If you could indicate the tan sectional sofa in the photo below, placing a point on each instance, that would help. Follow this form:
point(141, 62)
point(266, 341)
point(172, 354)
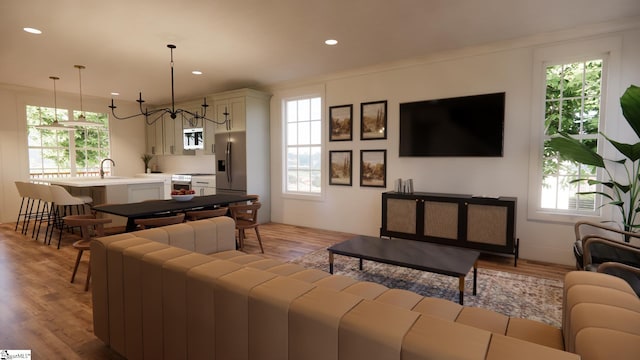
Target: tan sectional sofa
point(183, 292)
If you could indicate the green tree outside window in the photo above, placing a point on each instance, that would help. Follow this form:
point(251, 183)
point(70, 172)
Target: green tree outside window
point(50, 150)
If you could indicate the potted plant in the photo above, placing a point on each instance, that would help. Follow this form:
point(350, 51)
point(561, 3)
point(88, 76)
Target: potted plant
point(622, 193)
point(146, 158)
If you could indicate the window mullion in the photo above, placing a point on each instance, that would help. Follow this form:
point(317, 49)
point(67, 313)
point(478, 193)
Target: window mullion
point(299, 175)
point(572, 119)
point(51, 157)
point(72, 154)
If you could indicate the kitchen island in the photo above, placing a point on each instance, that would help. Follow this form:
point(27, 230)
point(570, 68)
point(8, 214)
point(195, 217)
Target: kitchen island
point(112, 189)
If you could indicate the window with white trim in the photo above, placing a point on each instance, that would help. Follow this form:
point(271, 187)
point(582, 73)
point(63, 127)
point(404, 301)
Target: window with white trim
point(63, 153)
point(303, 149)
point(573, 102)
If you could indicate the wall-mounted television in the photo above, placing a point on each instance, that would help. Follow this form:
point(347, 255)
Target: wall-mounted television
point(460, 126)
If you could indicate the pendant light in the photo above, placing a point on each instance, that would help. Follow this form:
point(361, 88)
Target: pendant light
point(82, 120)
point(55, 125)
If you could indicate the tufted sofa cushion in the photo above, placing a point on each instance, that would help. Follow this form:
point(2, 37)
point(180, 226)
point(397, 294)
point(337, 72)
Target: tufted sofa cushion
point(155, 300)
point(601, 316)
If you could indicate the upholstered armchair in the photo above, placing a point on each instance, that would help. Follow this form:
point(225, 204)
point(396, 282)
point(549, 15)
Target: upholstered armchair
point(604, 253)
point(623, 259)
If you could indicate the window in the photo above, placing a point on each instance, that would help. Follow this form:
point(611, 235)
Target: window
point(572, 105)
point(303, 137)
point(59, 153)
point(571, 85)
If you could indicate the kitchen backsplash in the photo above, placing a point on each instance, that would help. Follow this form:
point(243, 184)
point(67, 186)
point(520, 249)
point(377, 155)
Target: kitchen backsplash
point(175, 164)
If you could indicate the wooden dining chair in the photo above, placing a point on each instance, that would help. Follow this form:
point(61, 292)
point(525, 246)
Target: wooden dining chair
point(206, 214)
point(246, 217)
point(88, 224)
point(159, 221)
point(244, 214)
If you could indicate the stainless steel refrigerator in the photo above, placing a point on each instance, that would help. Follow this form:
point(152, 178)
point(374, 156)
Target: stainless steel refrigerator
point(231, 162)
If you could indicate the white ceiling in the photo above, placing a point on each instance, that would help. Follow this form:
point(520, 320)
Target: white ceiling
point(254, 43)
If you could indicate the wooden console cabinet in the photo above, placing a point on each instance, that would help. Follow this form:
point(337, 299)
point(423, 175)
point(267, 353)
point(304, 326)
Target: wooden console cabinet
point(485, 224)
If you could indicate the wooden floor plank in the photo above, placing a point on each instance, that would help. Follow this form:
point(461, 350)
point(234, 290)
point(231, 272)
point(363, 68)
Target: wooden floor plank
point(42, 311)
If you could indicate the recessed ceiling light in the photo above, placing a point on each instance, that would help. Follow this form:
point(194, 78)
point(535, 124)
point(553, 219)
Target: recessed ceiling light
point(196, 72)
point(331, 42)
point(32, 30)
point(115, 93)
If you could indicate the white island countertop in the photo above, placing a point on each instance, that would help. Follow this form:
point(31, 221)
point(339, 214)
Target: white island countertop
point(96, 181)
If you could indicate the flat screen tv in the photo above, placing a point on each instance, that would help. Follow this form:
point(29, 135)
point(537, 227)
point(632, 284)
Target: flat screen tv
point(460, 126)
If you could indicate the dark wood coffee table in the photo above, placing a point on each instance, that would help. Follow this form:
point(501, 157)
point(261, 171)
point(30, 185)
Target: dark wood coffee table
point(419, 255)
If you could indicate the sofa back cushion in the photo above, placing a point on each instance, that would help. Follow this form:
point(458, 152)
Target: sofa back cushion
point(206, 236)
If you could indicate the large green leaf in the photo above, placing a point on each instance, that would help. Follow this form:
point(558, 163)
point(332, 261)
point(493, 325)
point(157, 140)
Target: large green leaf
point(595, 193)
point(630, 103)
point(623, 188)
point(618, 193)
point(608, 184)
point(575, 150)
point(631, 151)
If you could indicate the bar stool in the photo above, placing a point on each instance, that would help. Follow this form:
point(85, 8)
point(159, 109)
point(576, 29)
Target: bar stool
point(63, 202)
point(87, 224)
point(22, 191)
point(43, 212)
point(26, 206)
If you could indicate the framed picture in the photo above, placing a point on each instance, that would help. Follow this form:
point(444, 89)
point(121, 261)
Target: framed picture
point(373, 168)
point(340, 123)
point(340, 168)
point(373, 120)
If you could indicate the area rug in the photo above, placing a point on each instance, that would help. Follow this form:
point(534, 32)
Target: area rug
point(510, 294)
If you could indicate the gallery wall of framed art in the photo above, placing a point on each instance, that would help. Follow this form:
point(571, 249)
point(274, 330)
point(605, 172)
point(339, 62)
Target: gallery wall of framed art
point(341, 167)
point(372, 162)
point(373, 120)
point(341, 123)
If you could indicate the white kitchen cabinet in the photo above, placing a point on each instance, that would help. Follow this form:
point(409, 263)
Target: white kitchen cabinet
point(155, 143)
point(235, 107)
point(172, 135)
point(203, 185)
point(166, 136)
point(210, 136)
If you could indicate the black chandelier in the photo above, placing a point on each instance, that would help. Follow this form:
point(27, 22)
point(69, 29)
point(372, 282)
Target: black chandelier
point(151, 116)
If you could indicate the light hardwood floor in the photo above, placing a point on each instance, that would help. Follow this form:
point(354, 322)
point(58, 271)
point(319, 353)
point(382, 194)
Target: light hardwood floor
point(42, 311)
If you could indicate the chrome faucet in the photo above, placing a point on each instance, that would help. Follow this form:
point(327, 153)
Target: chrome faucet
point(102, 166)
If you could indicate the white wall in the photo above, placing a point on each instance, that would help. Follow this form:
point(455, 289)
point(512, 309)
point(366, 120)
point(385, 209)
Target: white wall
point(127, 138)
point(500, 67)
point(503, 67)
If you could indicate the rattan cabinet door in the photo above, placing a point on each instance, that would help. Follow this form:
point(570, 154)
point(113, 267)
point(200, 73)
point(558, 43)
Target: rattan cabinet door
point(401, 215)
